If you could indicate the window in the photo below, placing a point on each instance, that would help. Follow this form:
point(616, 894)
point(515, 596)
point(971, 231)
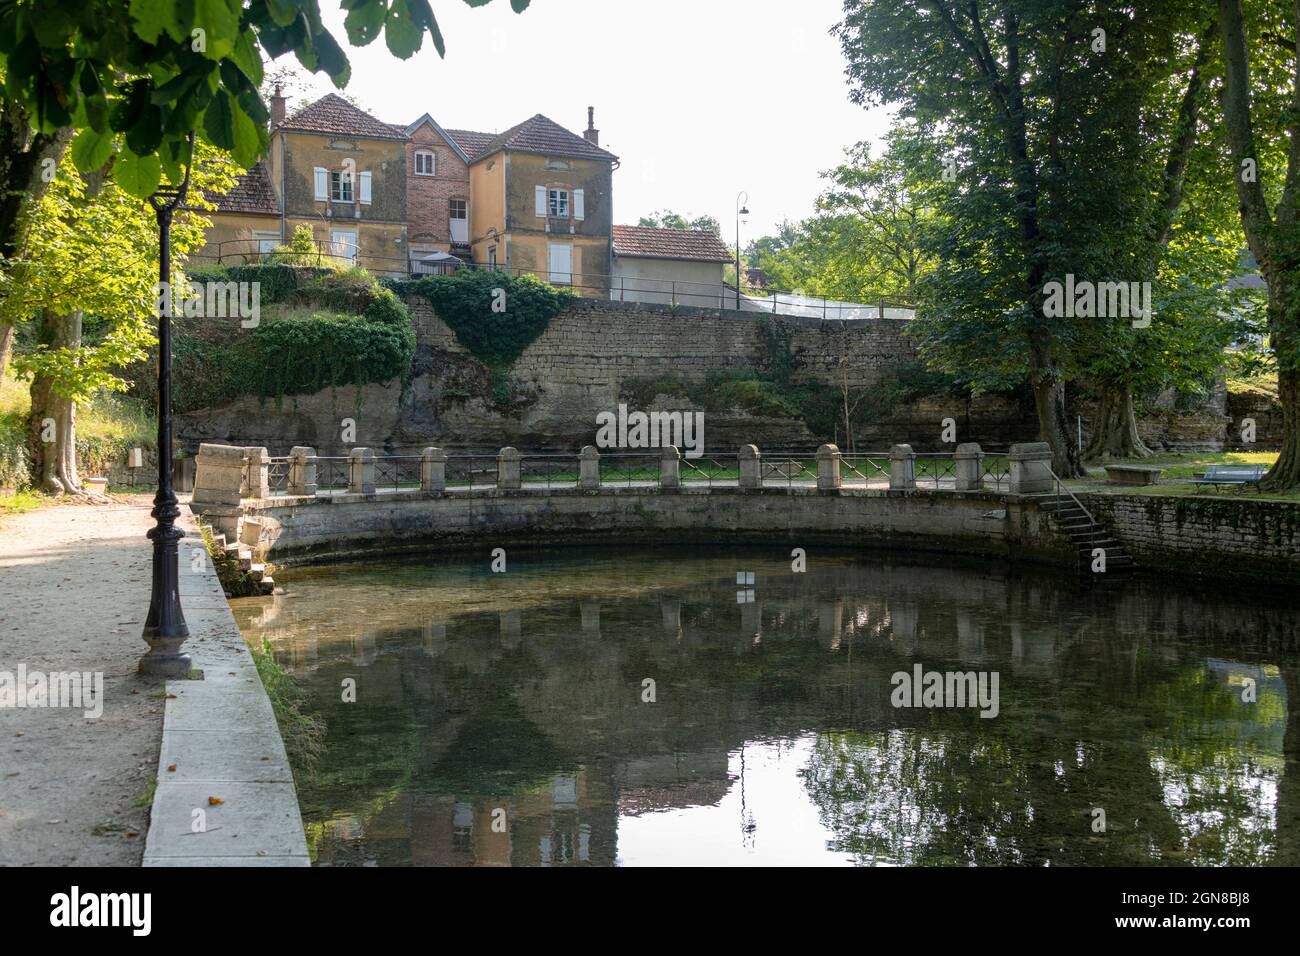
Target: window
point(558, 203)
point(341, 185)
point(266, 241)
point(492, 257)
point(425, 163)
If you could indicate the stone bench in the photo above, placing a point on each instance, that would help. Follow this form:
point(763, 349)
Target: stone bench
point(1132, 475)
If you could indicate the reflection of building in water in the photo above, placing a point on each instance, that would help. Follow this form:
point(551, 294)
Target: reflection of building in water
point(579, 749)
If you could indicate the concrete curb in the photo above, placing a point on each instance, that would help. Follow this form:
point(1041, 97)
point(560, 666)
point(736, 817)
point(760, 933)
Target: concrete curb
point(220, 735)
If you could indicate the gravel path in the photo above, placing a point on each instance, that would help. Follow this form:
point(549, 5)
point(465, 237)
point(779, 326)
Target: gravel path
point(74, 589)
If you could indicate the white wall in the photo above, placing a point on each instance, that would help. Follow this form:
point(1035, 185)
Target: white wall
point(653, 280)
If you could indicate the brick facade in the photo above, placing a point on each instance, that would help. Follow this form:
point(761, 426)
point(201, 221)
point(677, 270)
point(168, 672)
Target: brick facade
point(428, 198)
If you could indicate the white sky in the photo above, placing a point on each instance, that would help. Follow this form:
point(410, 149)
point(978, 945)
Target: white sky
point(699, 98)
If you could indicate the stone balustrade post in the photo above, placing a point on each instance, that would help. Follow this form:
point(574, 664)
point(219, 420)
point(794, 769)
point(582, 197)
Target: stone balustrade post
point(902, 468)
point(219, 476)
point(749, 460)
point(257, 472)
point(969, 462)
point(361, 471)
point(433, 471)
point(828, 468)
point(670, 467)
point(1031, 468)
point(509, 468)
point(302, 470)
point(589, 467)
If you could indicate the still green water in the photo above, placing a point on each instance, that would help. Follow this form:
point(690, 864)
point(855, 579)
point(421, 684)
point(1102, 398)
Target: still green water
point(504, 719)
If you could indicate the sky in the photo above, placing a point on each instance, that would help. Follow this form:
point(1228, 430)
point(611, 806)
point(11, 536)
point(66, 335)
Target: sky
point(700, 99)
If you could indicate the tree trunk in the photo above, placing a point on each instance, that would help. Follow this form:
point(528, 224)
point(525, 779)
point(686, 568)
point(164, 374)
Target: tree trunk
point(1285, 473)
point(6, 347)
point(52, 430)
point(1053, 423)
point(1115, 434)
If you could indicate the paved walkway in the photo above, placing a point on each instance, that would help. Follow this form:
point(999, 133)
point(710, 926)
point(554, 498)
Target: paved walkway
point(74, 589)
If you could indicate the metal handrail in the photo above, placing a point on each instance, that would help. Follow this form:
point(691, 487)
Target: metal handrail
point(762, 301)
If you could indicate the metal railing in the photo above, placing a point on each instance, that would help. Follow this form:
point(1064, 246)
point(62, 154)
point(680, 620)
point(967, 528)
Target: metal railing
point(618, 288)
point(432, 470)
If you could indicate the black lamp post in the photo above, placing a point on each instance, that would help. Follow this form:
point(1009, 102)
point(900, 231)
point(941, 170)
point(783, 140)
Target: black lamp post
point(741, 199)
point(164, 625)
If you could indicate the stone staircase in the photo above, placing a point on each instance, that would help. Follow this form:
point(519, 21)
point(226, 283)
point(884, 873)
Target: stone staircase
point(241, 551)
point(1087, 534)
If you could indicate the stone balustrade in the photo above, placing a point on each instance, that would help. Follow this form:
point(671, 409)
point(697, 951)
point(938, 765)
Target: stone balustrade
point(226, 475)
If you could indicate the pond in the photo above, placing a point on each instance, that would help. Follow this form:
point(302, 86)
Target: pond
point(619, 707)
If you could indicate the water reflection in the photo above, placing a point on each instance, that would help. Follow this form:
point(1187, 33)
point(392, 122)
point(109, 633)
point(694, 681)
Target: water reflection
point(502, 719)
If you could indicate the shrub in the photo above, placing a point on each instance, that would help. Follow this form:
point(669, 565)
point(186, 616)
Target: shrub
point(330, 330)
point(465, 301)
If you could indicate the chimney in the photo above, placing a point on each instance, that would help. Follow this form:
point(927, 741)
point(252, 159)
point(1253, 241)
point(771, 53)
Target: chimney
point(592, 135)
point(278, 102)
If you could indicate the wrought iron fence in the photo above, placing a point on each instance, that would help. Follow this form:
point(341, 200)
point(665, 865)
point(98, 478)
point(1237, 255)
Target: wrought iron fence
point(717, 295)
point(471, 471)
point(780, 468)
point(709, 470)
point(629, 469)
point(549, 470)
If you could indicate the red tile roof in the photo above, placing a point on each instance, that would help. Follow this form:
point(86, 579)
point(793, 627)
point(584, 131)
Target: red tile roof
point(333, 114)
point(646, 242)
point(251, 193)
point(542, 135)
point(470, 140)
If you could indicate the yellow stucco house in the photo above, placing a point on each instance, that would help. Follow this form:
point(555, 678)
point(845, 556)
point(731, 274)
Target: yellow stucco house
point(535, 198)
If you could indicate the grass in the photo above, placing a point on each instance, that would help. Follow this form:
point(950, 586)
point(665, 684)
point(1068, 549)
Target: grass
point(303, 733)
point(1176, 470)
point(106, 428)
point(20, 502)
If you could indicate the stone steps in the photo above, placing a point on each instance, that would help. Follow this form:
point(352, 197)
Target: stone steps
point(1087, 536)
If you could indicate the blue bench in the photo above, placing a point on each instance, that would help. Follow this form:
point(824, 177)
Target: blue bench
point(1233, 475)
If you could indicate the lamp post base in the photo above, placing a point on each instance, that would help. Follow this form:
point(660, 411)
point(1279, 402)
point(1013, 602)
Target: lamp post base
point(164, 659)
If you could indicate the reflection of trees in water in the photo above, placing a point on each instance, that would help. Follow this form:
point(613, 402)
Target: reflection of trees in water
point(1106, 703)
point(1186, 774)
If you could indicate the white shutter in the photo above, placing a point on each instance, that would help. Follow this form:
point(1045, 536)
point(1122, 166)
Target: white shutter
point(541, 200)
point(322, 183)
point(365, 186)
point(577, 204)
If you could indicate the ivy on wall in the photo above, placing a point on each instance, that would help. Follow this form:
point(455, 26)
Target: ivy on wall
point(318, 329)
point(494, 315)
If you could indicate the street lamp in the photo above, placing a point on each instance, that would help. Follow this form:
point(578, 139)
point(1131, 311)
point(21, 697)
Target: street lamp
point(741, 199)
point(164, 626)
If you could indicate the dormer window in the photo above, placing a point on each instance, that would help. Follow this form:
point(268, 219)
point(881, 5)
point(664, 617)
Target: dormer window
point(425, 162)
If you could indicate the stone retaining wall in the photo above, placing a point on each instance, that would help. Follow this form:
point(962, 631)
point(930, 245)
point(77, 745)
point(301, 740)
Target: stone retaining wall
point(304, 529)
point(1219, 537)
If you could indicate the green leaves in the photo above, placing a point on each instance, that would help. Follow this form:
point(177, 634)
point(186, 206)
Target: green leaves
point(138, 175)
point(153, 17)
point(91, 150)
point(401, 33)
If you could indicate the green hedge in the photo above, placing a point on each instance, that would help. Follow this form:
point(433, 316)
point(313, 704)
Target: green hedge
point(323, 329)
point(465, 301)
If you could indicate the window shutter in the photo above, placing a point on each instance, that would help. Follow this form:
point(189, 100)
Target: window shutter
point(577, 204)
point(541, 200)
point(365, 186)
point(322, 183)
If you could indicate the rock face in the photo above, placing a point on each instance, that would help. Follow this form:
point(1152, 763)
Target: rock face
point(581, 366)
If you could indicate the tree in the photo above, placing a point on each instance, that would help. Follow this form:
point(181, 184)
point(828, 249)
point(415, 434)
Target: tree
point(86, 276)
point(667, 219)
point(1025, 111)
point(1262, 120)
